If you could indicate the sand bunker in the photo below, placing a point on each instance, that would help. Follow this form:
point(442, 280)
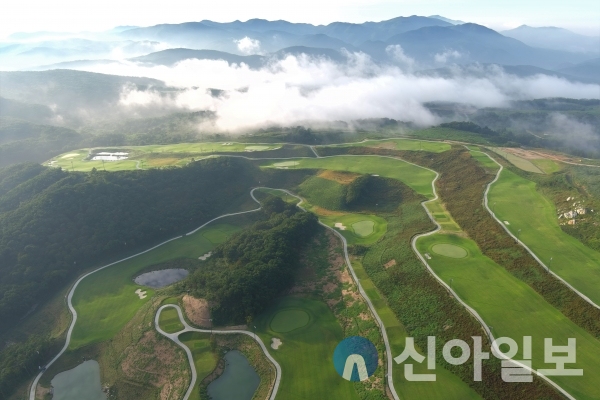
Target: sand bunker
point(275, 343)
point(340, 226)
point(204, 257)
point(141, 293)
point(506, 223)
point(70, 155)
point(427, 256)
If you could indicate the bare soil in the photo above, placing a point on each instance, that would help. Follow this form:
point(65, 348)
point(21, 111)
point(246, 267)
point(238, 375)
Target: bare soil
point(197, 310)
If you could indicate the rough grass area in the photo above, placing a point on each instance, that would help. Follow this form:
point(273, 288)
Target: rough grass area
point(323, 192)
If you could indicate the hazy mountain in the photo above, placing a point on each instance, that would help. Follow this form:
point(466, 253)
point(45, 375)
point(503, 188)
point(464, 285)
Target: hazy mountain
point(173, 56)
point(25, 111)
point(468, 43)
point(551, 37)
point(587, 70)
point(483, 70)
point(451, 21)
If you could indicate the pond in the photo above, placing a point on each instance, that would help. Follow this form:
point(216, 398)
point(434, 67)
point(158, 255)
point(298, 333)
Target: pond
point(161, 278)
point(239, 380)
point(81, 382)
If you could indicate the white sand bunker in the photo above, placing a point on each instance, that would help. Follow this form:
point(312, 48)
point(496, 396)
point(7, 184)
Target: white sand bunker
point(427, 256)
point(275, 343)
point(506, 223)
point(340, 226)
point(227, 144)
point(374, 175)
point(70, 155)
point(204, 257)
point(141, 293)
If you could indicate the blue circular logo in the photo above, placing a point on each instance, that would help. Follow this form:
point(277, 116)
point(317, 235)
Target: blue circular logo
point(355, 358)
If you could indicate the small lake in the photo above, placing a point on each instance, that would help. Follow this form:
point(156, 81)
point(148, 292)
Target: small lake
point(239, 381)
point(81, 382)
point(161, 278)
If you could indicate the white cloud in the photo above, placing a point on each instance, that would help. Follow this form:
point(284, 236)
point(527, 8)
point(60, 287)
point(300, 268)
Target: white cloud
point(397, 53)
point(443, 58)
point(299, 89)
point(248, 45)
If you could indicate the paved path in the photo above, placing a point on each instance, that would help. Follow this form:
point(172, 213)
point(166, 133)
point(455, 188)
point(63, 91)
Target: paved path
point(187, 328)
point(495, 349)
point(485, 202)
point(72, 291)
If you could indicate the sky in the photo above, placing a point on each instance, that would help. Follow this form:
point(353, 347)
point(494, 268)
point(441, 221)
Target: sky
point(581, 16)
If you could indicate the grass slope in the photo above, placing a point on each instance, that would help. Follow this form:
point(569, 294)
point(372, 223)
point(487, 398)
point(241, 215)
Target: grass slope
point(419, 179)
point(106, 300)
point(515, 310)
point(402, 144)
point(518, 202)
point(169, 321)
point(306, 353)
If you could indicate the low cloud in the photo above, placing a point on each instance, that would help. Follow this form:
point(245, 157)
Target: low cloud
point(397, 53)
point(297, 89)
point(443, 58)
point(248, 45)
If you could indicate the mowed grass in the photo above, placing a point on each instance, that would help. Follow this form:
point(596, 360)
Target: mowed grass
point(378, 226)
point(518, 162)
point(447, 385)
point(153, 156)
point(442, 216)
point(417, 178)
point(518, 202)
point(169, 321)
point(106, 300)
point(515, 310)
point(547, 165)
point(288, 320)
point(306, 353)
point(204, 359)
point(483, 159)
point(403, 144)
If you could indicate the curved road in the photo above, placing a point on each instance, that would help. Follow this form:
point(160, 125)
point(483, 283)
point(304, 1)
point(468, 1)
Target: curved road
point(495, 349)
point(485, 202)
point(72, 291)
point(175, 337)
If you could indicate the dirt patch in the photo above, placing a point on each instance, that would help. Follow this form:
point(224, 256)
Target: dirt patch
point(526, 154)
point(197, 310)
point(389, 264)
point(41, 392)
point(325, 212)
point(139, 364)
point(339, 176)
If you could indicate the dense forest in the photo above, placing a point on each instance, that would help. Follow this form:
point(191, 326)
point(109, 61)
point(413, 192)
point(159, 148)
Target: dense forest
point(54, 224)
point(253, 267)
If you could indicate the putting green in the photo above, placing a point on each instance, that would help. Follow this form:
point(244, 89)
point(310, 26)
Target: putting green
point(288, 320)
point(449, 250)
point(363, 228)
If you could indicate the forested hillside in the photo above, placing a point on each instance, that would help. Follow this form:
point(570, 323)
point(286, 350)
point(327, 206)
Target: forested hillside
point(54, 224)
point(248, 271)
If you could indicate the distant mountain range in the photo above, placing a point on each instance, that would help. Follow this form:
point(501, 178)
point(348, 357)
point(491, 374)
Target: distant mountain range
point(555, 38)
point(431, 42)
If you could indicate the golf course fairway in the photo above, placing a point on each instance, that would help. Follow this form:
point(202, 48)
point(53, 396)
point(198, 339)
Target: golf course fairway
point(417, 178)
point(512, 309)
point(106, 300)
point(516, 200)
point(306, 352)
